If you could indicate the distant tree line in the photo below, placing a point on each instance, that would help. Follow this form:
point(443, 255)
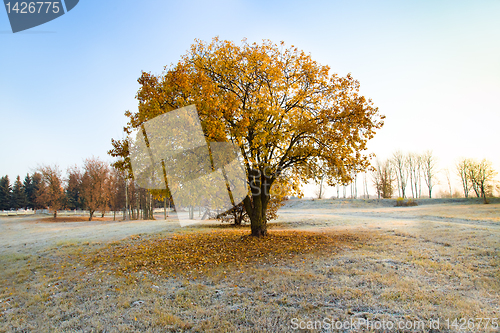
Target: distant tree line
point(411, 169)
point(94, 187)
point(20, 194)
point(401, 170)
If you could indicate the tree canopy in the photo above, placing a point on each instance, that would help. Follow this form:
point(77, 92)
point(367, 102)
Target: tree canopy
point(289, 116)
point(50, 190)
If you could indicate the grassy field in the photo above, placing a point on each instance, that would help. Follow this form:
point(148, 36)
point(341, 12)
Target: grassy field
point(324, 262)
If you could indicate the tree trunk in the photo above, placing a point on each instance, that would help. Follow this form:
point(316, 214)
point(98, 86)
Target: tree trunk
point(366, 187)
point(165, 207)
point(239, 213)
point(476, 190)
point(320, 196)
point(485, 199)
point(237, 218)
point(91, 215)
point(257, 216)
point(483, 194)
point(127, 211)
point(55, 213)
point(256, 206)
point(355, 186)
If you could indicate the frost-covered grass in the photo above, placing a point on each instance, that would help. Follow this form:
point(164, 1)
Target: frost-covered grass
point(375, 263)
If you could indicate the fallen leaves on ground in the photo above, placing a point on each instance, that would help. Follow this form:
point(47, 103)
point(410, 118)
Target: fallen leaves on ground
point(74, 219)
point(199, 253)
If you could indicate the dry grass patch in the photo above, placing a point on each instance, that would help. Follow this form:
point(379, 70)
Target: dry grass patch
point(222, 280)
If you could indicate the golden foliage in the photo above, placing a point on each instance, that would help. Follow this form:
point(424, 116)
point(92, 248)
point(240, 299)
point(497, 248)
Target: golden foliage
point(283, 109)
point(50, 192)
point(288, 115)
point(95, 190)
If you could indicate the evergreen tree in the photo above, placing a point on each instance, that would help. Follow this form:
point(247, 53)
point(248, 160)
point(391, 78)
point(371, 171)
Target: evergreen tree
point(18, 198)
point(27, 188)
point(73, 188)
point(36, 179)
point(5, 193)
point(31, 185)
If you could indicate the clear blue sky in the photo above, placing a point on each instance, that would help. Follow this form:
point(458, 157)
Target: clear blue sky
point(432, 67)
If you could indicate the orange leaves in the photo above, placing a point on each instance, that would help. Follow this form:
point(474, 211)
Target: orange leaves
point(285, 111)
point(276, 103)
point(202, 253)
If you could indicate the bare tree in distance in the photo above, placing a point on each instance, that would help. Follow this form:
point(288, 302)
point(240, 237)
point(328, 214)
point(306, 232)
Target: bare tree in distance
point(429, 170)
point(482, 173)
point(411, 167)
point(463, 167)
point(399, 161)
point(383, 178)
point(95, 188)
point(354, 186)
point(117, 198)
point(50, 192)
point(448, 180)
point(414, 166)
point(320, 191)
point(420, 174)
point(472, 174)
point(366, 195)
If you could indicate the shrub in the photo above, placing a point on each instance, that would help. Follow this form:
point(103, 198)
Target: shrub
point(238, 215)
point(401, 202)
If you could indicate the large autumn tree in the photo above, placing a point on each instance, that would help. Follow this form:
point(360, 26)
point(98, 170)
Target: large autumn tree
point(290, 117)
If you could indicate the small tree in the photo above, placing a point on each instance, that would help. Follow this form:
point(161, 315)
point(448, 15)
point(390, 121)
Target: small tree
point(117, 191)
point(50, 191)
point(5, 193)
point(448, 180)
point(18, 195)
point(279, 195)
point(429, 170)
point(95, 189)
point(27, 183)
point(321, 191)
point(73, 188)
point(463, 167)
point(238, 214)
point(399, 161)
point(31, 186)
point(383, 179)
point(482, 173)
point(414, 168)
